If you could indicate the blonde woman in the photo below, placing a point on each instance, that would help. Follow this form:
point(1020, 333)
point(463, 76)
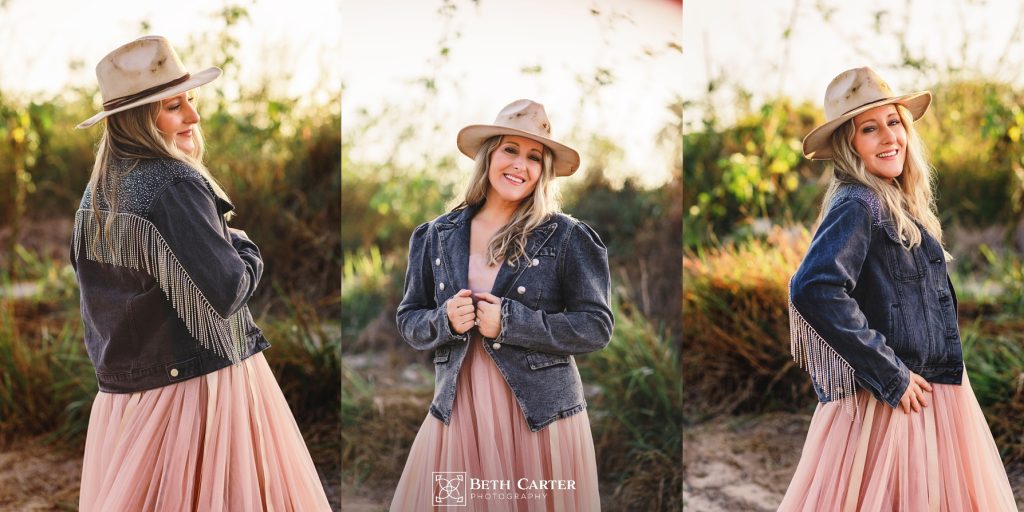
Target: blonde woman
point(504, 291)
point(873, 320)
point(189, 416)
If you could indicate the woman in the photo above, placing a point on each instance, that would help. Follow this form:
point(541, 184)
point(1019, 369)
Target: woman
point(189, 416)
point(505, 291)
point(873, 320)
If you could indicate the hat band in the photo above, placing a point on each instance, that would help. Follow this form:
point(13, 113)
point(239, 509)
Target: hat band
point(868, 103)
point(124, 100)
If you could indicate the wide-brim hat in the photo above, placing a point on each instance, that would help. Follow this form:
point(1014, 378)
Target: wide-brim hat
point(850, 94)
point(143, 71)
point(525, 118)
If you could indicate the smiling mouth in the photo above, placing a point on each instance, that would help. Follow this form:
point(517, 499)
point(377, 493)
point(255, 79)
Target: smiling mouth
point(514, 179)
point(888, 154)
point(186, 133)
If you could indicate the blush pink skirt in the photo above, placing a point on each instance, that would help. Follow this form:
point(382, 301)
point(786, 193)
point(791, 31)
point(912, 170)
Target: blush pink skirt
point(488, 439)
point(224, 441)
point(942, 458)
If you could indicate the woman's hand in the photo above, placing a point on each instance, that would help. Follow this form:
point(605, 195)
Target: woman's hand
point(913, 397)
point(461, 313)
point(488, 314)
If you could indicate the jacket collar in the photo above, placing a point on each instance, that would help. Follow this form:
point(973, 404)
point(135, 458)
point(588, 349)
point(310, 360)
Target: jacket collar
point(454, 230)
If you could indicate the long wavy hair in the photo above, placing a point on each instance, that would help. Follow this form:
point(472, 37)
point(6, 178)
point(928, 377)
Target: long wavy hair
point(130, 137)
point(908, 198)
point(509, 243)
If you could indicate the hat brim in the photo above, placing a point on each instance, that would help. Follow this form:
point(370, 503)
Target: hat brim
point(197, 79)
point(817, 145)
point(472, 137)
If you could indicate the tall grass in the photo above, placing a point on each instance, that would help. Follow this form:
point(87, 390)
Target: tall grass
point(736, 327)
point(637, 422)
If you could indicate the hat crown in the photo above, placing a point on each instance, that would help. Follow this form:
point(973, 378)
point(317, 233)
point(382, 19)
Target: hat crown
point(137, 66)
point(526, 115)
point(852, 89)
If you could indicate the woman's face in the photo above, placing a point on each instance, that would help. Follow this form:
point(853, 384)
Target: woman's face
point(515, 168)
point(175, 120)
point(880, 140)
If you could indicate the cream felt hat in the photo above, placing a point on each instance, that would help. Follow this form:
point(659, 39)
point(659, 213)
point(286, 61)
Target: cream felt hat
point(143, 71)
point(524, 118)
point(851, 93)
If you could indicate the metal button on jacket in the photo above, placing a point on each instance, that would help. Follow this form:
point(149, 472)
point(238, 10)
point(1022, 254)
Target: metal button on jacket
point(174, 372)
point(441, 286)
point(521, 290)
point(437, 262)
point(496, 346)
point(535, 262)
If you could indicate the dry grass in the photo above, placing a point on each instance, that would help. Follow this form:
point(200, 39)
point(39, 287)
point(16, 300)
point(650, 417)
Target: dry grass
point(736, 328)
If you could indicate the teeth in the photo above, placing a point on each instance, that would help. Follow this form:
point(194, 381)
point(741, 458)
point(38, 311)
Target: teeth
point(515, 179)
point(886, 154)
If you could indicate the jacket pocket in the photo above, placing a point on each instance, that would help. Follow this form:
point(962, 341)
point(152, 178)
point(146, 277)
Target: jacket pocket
point(441, 354)
point(905, 264)
point(538, 360)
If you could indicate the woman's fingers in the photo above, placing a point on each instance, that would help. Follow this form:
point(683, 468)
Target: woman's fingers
point(487, 297)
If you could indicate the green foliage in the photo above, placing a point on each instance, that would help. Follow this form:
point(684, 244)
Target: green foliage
point(371, 284)
point(636, 414)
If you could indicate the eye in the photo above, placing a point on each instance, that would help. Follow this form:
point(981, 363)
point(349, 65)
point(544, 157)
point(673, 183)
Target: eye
point(535, 157)
point(867, 129)
point(511, 150)
point(174, 106)
point(895, 121)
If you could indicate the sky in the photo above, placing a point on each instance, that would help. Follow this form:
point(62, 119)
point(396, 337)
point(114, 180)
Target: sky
point(742, 40)
point(39, 39)
point(498, 40)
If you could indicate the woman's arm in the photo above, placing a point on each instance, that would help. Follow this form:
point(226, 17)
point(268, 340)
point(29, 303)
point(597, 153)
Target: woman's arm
point(422, 322)
point(587, 322)
point(827, 322)
point(226, 270)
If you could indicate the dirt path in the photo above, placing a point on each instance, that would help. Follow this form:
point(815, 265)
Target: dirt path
point(745, 463)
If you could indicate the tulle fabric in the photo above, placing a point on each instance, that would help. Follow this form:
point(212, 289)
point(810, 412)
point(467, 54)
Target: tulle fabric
point(940, 459)
point(488, 439)
point(224, 441)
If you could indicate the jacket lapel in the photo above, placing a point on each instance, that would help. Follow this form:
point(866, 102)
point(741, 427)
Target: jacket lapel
point(454, 238)
point(508, 274)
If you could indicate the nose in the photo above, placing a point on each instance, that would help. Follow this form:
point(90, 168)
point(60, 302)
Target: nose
point(888, 134)
point(191, 114)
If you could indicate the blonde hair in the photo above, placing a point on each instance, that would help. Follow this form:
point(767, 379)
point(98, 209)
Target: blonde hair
point(509, 243)
point(908, 197)
point(128, 138)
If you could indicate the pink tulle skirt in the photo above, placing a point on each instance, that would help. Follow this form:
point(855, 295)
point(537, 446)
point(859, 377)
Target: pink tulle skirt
point(224, 441)
point(488, 439)
point(940, 459)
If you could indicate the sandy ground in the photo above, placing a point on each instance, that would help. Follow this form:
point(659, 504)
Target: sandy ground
point(36, 477)
point(745, 463)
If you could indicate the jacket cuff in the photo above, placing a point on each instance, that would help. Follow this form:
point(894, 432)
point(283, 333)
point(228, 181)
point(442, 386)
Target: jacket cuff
point(893, 390)
point(446, 328)
point(506, 313)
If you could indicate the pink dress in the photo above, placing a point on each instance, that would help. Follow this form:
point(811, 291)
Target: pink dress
point(224, 441)
point(940, 459)
point(489, 440)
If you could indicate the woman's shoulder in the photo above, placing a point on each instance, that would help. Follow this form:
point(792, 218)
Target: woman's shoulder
point(145, 181)
point(571, 226)
point(862, 194)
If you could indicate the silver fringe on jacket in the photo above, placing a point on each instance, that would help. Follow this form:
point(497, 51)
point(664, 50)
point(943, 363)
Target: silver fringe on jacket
point(135, 243)
point(827, 368)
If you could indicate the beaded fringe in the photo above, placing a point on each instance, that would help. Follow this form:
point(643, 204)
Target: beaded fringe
point(135, 243)
point(827, 368)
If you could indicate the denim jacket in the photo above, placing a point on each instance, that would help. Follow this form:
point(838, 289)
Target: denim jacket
point(164, 298)
point(865, 308)
point(554, 304)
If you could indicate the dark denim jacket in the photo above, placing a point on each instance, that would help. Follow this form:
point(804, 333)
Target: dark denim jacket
point(164, 299)
point(555, 303)
point(865, 308)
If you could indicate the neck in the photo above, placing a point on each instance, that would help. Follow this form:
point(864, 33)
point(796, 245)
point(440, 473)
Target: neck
point(497, 211)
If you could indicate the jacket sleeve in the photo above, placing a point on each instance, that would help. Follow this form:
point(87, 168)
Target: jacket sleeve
point(830, 334)
point(423, 323)
point(224, 267)
point(586, 323)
